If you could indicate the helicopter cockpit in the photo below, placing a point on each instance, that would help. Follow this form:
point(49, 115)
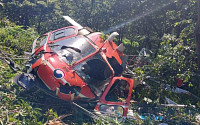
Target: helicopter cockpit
point(95, 72)
point(92, 68)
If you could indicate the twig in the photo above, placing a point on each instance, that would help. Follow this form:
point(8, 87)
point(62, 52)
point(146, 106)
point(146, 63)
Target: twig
point(63, 116)
point(7, 116)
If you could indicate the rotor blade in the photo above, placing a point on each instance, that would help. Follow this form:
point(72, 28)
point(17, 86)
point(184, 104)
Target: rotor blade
point(90, 114)
point(74, 23)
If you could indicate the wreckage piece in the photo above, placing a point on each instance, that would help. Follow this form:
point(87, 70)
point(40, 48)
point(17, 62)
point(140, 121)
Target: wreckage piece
point(24, 80)
point(169, 101)
point(174, 89)
point(172, 103)
point(75, 63)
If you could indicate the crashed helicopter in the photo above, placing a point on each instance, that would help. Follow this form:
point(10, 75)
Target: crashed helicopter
point(75, 63)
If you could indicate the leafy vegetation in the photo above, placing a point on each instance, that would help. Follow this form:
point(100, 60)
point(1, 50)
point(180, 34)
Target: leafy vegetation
point(168, 29)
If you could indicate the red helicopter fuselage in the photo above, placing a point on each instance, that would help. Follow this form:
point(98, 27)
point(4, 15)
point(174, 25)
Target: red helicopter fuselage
point(75, 65)
point(60, 66)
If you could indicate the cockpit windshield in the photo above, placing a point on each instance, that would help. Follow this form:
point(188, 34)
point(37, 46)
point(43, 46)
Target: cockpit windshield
point(72, 49)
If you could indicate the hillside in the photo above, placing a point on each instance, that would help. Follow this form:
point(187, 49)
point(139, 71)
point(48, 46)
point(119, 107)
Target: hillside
point(163, 34)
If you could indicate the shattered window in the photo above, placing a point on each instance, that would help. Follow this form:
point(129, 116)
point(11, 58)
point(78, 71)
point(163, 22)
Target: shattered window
point(40, 41)
point(62, 33)
point(118, 92)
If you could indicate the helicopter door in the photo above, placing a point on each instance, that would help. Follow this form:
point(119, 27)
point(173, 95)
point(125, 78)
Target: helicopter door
point(116, 98)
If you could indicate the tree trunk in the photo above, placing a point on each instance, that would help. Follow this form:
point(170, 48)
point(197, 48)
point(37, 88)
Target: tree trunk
point(197, 33)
